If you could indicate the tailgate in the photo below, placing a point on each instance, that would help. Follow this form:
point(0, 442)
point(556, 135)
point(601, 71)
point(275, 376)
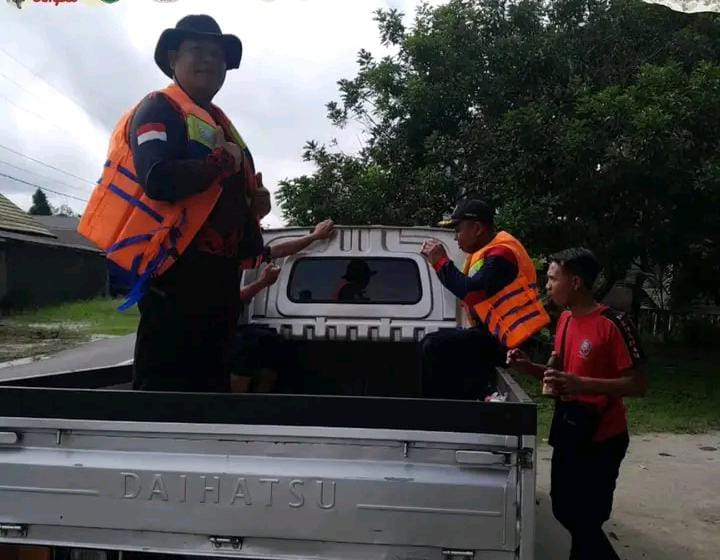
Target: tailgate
point(258, 489)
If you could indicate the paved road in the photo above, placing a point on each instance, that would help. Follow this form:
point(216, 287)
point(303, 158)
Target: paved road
point(102, 353)
point(667, 505)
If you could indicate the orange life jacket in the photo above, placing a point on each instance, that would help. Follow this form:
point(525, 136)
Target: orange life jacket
point(142, 236)
point(515, 313)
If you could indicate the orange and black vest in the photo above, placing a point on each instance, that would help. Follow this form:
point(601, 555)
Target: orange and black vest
point(142, 236)
point(515, 313)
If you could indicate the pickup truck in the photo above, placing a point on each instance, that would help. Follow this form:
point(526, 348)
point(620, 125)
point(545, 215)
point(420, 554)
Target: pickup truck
point(352, 465)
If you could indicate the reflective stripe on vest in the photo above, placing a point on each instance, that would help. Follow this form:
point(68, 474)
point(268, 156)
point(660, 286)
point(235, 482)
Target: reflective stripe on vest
point(515, 313)
point(142, 236)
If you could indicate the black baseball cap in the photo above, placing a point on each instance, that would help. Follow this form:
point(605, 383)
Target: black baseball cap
point(471, 209)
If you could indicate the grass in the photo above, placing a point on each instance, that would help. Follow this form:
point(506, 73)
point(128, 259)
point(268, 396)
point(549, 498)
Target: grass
point(50, 329)
point(544, 405)
point(95, 316)
point(684, 394)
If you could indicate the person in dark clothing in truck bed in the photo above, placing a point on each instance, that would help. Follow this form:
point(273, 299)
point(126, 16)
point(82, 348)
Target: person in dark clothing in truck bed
point(187, 333)
point(189, 313)
point(497, 287)
point(261, 355)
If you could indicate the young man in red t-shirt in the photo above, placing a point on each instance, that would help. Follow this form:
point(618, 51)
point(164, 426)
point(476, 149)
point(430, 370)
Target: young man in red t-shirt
point(596, 362)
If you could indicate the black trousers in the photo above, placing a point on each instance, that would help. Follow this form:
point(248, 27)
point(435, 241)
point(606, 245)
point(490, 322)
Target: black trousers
point(582, 488)
point(459, 363)
point(187, 324)
point(257, 348)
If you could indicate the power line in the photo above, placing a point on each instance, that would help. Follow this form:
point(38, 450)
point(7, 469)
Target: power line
point(18, 84)
point(42, 79)
point(88, 181)
point(36, 115)
point(37, 95)
point(3, 162)
point(38, 76)
point(42, 188)
point(43, 118)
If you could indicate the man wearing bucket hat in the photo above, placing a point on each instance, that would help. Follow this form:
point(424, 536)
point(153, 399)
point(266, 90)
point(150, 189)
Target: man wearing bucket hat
point(355, 281)
point(498, 289)
point(177, 212)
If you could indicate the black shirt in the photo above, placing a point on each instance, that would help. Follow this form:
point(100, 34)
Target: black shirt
point(170, 169)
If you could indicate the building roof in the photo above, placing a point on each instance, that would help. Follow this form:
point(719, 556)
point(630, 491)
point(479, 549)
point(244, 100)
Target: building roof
point(58, 231)
point(58, 222)
point(65, 229)
point(13, 219)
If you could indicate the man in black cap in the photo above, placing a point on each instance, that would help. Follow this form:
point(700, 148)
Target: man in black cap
point(498, 289)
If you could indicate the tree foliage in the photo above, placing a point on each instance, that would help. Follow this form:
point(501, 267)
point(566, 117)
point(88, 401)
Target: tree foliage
point(587, 122)
point(40, 205)
point(66, 211)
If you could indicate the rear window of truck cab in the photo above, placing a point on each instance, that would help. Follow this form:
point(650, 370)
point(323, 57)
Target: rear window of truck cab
point(355, 280)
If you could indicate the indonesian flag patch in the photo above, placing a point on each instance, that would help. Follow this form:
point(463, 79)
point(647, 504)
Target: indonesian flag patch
point(151, 131)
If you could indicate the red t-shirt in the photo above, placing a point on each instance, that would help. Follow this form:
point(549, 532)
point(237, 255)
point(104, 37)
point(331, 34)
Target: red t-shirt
point(601, 345)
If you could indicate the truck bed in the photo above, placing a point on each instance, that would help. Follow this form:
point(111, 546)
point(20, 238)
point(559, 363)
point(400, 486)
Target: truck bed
point(264, 476)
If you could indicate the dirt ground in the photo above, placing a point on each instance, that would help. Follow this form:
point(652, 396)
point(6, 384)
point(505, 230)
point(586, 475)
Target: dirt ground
point(19, 341)
point(667, 504)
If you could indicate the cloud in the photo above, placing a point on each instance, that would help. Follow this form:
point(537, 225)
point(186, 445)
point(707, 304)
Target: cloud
point(95, 62)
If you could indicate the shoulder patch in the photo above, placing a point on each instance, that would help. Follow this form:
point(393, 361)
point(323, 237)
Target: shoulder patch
point(151, 131)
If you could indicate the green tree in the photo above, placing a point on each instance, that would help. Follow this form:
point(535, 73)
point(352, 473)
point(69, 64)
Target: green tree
point(40, 205)
point(585, 121)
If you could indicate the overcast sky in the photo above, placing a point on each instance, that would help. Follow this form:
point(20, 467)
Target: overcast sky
point(69, 71)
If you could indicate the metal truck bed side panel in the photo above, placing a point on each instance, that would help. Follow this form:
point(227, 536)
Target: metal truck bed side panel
point(446, 495)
